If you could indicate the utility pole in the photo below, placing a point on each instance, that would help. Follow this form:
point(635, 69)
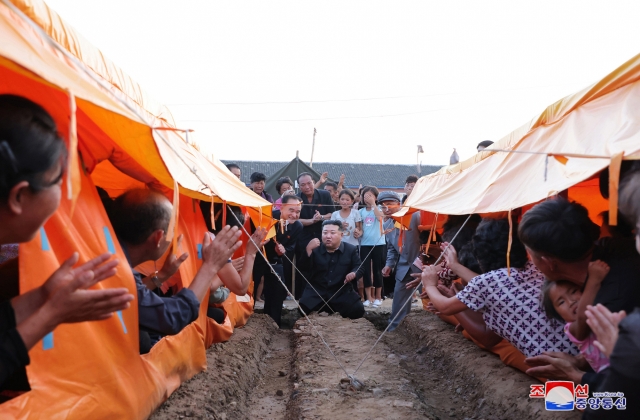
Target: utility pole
point(418, 166)
point(313, 146)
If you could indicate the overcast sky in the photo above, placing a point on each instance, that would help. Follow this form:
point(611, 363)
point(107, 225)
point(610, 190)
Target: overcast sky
point(254, 78)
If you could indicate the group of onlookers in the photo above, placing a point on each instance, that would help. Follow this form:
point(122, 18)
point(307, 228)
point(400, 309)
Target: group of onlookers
point(361, 218)
point(549, 291)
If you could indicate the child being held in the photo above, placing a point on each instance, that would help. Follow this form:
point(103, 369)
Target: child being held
point(563, 300)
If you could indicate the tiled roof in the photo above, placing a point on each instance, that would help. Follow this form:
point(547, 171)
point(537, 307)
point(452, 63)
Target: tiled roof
point(380, 175)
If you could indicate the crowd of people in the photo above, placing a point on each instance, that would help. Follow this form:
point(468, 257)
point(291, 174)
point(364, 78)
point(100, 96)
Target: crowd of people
point(363, 221)
point(550, 292)
point(546, 289)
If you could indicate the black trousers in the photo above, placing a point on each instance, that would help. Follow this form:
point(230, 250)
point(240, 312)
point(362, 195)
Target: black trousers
point(347, 303)
point(260, 268)
point(287, 268)
point(375, 255)
point(274, 294)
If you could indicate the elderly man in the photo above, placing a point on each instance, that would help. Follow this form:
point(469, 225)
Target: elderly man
point(140, 219)
point(389, 203)
point(317, 206)
point(333, 263)
point(400, 260)
point(279, 252)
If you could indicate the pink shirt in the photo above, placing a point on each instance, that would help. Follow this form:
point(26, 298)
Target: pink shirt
point(591, 353)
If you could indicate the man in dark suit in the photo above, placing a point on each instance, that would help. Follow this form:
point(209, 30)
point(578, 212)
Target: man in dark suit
point(280, 252)
point(332, 264)
point(317, 206)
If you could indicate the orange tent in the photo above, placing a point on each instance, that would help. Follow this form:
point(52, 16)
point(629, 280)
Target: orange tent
point(118, 139)
point(562, 148)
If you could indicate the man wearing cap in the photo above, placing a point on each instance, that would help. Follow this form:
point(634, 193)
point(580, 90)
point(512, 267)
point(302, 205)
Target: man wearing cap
point(390, 203)
point(399, 257)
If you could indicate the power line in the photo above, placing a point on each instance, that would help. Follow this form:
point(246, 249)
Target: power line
point(339, 118)
point(355, 99)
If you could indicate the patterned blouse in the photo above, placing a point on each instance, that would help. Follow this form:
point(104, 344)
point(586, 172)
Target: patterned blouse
point(511, 307)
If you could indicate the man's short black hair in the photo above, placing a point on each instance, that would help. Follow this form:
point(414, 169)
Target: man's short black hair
point(559, 228)
point(332, 185)
point(281, 181)
point(291, 197)
point(257, 177)
point(484, 143)
point(138, 213)
point(230, 166)
point(411, 179)
point(304, 174)
point(333, 223)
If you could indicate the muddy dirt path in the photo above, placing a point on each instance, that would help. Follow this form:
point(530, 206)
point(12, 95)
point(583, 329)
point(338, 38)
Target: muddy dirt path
point(272, 393)
point(387, 394)
point(423, 370)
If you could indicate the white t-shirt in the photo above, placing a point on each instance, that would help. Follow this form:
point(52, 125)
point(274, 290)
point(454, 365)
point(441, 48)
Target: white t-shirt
point(351, 220)
point(511, 307)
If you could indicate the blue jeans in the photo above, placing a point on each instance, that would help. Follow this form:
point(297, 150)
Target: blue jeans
point(400, 296)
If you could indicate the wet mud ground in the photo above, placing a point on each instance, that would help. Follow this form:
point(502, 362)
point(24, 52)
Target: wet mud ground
point(423, 370)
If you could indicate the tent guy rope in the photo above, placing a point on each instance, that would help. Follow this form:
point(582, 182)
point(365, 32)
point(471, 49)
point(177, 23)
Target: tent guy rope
point(408, 300)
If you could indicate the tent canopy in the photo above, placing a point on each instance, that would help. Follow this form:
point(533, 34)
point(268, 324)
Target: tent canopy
point(564, 146)
point(127, 128)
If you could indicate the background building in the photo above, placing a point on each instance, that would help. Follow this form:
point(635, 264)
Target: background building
point(384, 177)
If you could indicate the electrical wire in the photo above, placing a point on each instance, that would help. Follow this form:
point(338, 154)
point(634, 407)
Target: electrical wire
point(358, 99)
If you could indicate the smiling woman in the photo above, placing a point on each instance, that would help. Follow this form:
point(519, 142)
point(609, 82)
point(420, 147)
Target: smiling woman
point(32, 162)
